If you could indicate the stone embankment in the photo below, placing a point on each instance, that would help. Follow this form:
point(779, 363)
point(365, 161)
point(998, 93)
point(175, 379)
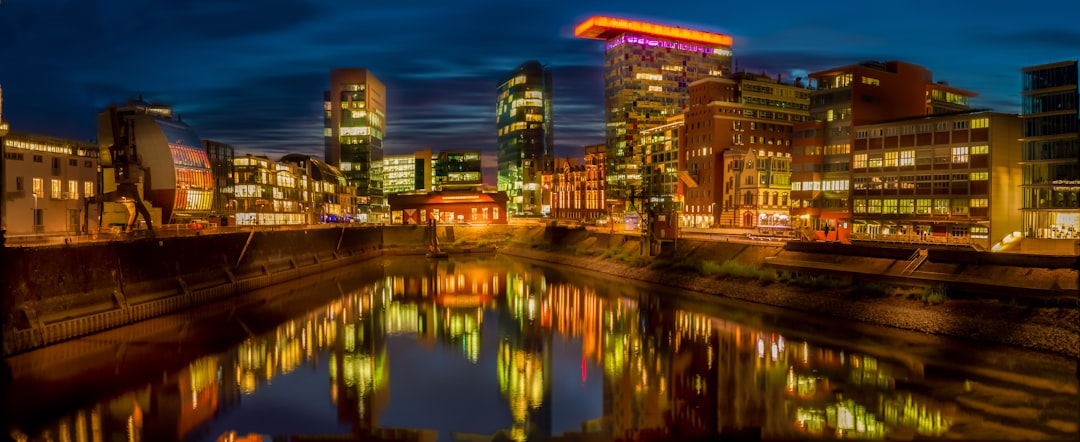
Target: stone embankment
point(1051, 329)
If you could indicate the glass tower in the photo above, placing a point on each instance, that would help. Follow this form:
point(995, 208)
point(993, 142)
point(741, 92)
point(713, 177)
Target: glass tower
point(1051, 151)
point(647, 72)
point(525, 137)
point(354, 111)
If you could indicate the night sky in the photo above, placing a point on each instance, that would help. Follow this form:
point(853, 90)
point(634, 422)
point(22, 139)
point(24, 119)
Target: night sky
point(252, 73)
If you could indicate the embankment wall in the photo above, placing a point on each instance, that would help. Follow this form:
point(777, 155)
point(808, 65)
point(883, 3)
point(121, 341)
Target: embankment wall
point(60, 292)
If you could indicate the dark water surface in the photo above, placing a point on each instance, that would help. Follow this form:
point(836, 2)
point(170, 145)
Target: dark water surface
point(494, 348)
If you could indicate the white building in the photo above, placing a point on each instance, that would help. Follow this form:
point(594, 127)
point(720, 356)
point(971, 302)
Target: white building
point(46, 182)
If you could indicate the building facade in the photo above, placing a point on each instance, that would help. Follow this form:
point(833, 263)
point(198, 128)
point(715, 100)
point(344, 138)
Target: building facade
point(858, 94)
point(408, 172)
point(355, 126)
point(755, 115)
point(525, 136)
point(47, 183)
point(176, 174)
point(1051, 151)
point(327, 197)
point(458, 170)
point(448, 207)
point(577, 187)
point(947, 179)
point(648, 69)
point(268, 193)
point(221, 157)
point(660, 190)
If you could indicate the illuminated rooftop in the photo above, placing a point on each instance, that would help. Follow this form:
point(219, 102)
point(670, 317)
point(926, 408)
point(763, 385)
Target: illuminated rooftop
point(604, 28)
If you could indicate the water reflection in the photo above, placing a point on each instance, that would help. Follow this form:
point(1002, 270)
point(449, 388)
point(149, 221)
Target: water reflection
point(670, 369)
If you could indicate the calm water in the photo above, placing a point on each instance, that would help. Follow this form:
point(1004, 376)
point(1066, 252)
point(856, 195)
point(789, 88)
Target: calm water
point(498, 349)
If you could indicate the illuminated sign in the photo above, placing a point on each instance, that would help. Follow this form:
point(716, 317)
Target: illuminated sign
point(645, 41)
point(596, 27)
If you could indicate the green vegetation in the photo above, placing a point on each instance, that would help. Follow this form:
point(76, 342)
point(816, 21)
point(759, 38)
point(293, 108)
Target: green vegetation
point(871, 290)
point(935, 295)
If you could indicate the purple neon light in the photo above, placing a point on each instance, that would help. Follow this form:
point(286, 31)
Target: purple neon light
point(645, 41)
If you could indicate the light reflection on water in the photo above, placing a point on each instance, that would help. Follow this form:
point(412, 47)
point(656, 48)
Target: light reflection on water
point(499, 349)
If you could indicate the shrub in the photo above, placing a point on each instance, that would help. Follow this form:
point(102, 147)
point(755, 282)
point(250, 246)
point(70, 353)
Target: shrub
point(935, 295)
point(707, 268)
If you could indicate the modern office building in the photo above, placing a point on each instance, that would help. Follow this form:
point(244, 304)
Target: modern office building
point(47, 181)
point(326, 196)
point(858, 94)
point(754, 115)
point(408, 173)
point(269, 193)
point(948, 179)
point(660, 189)
point(1051, 153)
point(221, 157)
point(176, 172)
point(458, 170)
point(355, 126)
point(525, 136)
point(648, 69)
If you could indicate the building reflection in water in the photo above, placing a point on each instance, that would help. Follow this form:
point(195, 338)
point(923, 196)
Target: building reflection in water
point(668, 372)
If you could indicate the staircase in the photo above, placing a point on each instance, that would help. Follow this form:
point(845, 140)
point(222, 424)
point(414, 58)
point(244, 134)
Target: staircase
point(915, 261)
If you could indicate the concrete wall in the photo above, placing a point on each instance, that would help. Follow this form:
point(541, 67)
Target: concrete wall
point(56, 293)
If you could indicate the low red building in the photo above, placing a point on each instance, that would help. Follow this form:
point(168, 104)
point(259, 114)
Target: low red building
point(447, 207)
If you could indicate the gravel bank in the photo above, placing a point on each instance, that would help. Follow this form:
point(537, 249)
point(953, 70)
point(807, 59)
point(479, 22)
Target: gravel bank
point(1048, 329)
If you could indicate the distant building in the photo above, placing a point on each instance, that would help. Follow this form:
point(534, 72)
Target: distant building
point(355, 126)
point(458, 170)
point(756, 190)
point(46, 182)
point(948, 179)
point(578, 187)
point(851, 95)
point(221, 157)
point(176, 171)
point(648, 69)
point(525, 135)
point(1051, 152)
point(447, 207)
point(408, 172)
point(327, 196)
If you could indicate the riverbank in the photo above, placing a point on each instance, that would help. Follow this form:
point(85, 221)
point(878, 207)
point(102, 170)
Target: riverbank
point(1049, 329)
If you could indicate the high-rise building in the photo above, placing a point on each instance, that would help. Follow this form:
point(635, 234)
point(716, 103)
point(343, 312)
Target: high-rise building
point(1051, 151)
point(355, 126)
point(857, 94)
point(525, 136)
point(648, 69)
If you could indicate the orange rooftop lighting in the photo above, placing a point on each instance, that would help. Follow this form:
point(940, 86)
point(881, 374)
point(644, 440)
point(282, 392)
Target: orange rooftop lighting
point(604, 28)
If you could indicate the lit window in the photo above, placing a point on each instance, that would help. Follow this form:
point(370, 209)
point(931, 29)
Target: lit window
point(959, 155)
point(73, 189)
point(979, 176)
point(39, 188)
point(55, 187)
point(980, 150)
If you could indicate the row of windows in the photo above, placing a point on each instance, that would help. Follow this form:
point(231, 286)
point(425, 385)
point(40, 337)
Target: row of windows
point(921, 206)
point(56, 188)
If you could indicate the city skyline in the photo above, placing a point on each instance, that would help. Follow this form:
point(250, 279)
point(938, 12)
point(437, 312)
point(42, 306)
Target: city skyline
point(257, 82)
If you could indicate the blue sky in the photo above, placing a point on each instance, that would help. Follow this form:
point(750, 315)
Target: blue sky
point(252, 73)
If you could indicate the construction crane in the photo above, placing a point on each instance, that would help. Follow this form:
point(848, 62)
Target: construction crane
point(127, 173)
